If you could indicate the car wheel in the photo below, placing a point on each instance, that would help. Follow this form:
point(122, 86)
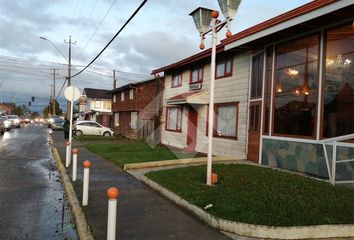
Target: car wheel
point(78, 133)
point(106, 134)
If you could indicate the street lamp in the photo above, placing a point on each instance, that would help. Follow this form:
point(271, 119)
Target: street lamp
point(203, 18)
point(43, 38)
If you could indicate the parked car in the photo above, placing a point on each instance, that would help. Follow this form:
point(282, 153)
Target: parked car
point(57, 124)
point(7, 123)
point(14, 120)
point(2, 126)
point(51, 120)
point(91, 128)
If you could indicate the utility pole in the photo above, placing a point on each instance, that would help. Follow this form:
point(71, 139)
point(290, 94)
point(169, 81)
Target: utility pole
point(68, 105)
point(114, 80)
point(53, 94)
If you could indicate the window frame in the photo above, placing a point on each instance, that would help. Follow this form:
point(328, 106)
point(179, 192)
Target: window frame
point(131, 94)
point(216, 106)
point(114, 98)
point(179, 74)
point(200, 69)
point(179, 108)
point(122, 96)
point(224, 61)
point(131, 120)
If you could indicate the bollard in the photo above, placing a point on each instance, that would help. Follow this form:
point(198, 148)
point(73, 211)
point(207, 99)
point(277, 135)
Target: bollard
point(68, 155)
point(75, 151)
point(87, 164)
point(112, 194)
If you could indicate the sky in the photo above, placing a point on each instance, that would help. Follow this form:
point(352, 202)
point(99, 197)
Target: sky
point(160, 34)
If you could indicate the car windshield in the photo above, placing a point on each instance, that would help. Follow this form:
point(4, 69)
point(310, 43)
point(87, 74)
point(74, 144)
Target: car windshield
point(12, 117)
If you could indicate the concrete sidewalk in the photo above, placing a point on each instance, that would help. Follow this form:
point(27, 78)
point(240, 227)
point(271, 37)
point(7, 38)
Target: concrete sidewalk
point(142, 213)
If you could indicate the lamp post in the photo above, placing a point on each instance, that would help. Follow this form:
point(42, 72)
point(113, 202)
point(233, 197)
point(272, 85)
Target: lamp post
point(206, 20)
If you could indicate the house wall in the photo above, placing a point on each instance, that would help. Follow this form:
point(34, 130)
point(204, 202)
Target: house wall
point(147, 102)
point(307, 157)
point(228, 89)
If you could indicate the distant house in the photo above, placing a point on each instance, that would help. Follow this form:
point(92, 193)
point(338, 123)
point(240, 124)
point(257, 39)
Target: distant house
point(136, 109)
point(95, 105)
point(6, 108)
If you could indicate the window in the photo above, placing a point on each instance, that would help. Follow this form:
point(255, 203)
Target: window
point(338, 113)
point(257, 76)
point(116, 119)
point(97, 104)
point(196, 75)
point(223, 68)
point(122, 96)
point(176, 80)
point(114, 98)
point(296, 87)
point(226, 120)
point(134, 120)
point(131, 94)
point(268, 88)
point(174, 119)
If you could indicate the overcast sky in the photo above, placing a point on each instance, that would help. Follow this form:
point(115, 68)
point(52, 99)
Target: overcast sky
point(160, 34)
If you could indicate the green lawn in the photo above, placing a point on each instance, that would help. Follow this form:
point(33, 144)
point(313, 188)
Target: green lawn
point(123, 151)
point(263, 196)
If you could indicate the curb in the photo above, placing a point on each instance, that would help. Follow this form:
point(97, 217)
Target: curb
point(259, 231)
point(173, 162)
point(82, 227)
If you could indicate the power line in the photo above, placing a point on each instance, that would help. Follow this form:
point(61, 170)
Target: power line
point(61, 89)
point(99, 25)
point(121, 29)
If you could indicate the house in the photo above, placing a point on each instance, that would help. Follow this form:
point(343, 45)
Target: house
point(6, 108)
point(186, 98)
point(137, 108)
point(291, 81)
point(95, 105)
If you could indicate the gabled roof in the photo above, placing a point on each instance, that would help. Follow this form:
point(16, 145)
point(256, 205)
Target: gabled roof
point(130, 85)
point(96, 93)
point(254, 31)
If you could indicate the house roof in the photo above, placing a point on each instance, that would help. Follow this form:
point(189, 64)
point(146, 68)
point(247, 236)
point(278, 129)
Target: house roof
point(198, 97)
point(254, 31)
point(97, 93)
point(130, 85)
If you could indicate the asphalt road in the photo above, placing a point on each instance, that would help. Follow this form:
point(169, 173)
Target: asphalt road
point(32, 201)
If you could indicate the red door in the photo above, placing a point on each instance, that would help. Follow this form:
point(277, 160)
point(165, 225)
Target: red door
point(192, 128)
point(254, 131)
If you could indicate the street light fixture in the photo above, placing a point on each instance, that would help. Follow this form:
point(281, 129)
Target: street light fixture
point(45, 39)
point(203, 18)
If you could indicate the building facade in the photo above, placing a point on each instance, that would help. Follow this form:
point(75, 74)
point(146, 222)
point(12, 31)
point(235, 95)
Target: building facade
point(137, 109)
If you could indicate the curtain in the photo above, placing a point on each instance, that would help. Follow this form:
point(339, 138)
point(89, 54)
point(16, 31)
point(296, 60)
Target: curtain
point(226, 121)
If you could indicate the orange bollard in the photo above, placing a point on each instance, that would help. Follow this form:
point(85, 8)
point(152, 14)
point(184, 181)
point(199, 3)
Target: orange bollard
point(87, 164)
point(214, 178)
point(112, 194)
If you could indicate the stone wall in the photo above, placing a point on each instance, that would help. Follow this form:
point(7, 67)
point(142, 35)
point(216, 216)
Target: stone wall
point(306, 157)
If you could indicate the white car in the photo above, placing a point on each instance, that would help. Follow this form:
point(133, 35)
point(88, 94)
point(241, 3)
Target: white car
point(14, 120)
point(91, 128)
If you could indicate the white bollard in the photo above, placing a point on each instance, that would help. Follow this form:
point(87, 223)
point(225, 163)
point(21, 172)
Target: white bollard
point(75, 151)
point(68, 154)
point(87, 165)
point(112, 194)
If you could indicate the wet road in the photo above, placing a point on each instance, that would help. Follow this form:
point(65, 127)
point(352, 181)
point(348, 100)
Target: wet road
point(32, 202)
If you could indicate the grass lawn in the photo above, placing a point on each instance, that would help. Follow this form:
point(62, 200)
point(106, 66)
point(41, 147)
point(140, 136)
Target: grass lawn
point(123, 151)
point(263, 196)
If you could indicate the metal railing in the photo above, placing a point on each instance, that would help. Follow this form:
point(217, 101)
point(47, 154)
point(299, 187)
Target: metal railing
point(332, 171)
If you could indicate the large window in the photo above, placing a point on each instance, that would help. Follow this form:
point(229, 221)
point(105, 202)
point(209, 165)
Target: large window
point(338, 112)
point(226, 120)
point(116, 119)
point(122, 96)
point(223, 68)
point(174, 119)
point(196, 74)
point(134, 120)
point(296, 87)
point(257, 76)
point(268, 88)
point(176, 80)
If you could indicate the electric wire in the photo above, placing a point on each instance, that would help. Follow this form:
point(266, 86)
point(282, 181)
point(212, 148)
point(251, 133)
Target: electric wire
point(99, 25)
point(120, 30)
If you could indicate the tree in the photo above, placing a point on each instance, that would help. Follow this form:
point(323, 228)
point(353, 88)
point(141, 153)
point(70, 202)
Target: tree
point(20, 110)
point(49, 109)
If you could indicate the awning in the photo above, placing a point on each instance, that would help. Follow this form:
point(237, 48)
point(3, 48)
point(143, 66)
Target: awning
point(200, 97)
